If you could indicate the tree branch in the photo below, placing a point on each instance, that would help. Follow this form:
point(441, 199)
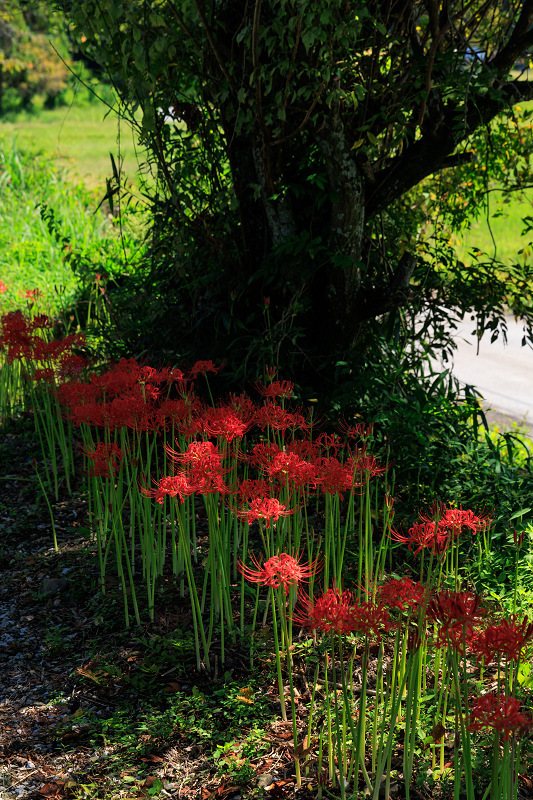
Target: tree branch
point(518, 41)
point(214, 48)
point(431, 152)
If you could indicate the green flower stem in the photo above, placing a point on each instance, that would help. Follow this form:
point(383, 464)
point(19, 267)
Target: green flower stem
point(311, 713)
point(278, 657)
point(340, 740)
point(54, 534)
point(331, 761)
point(465, 735)
point(279, 595)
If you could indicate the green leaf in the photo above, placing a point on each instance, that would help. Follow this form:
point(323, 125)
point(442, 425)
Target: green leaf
point(308, 39)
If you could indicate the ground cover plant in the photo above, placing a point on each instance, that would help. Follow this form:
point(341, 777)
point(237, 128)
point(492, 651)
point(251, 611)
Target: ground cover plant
point(282, 546)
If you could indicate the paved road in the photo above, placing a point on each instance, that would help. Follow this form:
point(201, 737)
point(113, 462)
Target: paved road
point(502, 373)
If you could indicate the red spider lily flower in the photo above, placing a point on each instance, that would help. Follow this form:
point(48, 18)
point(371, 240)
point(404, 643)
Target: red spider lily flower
point(253, 489)
point(198, 453)
point(268, 509)
point(459, 518)
point(171, 485)
point(457, 635)
point(368, 467)
point(45, 375)
point(243, 405)
point(202, 368)
point(334, 477)
point(180, 410)
point(402, 593)
point(203, 461)
point(18, 352)
point(283, 389)
point(205, 481)
point(15, 327)
point(425, 534)
point(82, 403)
point(304, 449)
point(224, 422)
point(272, 416)
point(56, 349)
point(3, 287)
point(288, 467)
point(72, 365)
point(371, 619)
point(331, 441)
point(16, 336)
point(456, 519)
point(262, 455)
point(184, 414)
point(456, 613)
point(331, 613)
point(500, 713)
point(90, 414)
point(283, 570)
point(105, 459)
point(32, 294)
point(45, 323)
point(119, 379)
point(358, 431)
point(507, 638)
point(132, 411)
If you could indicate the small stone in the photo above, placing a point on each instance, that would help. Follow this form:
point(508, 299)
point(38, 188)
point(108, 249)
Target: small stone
point(52, 586)
point(265, 780)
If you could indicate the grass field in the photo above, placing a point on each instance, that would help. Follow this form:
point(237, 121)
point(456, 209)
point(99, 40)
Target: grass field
point(499, 233)
point(79, 139)
point(52, 232)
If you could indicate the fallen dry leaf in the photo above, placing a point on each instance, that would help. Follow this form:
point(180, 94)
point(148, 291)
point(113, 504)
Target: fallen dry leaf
point(173, 686)
point(438, 732)
point(51, 789)
point(277, 789)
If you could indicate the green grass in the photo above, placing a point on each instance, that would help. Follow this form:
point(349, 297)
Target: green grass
point(52, 254)
point(77, 139)
point(499, 233)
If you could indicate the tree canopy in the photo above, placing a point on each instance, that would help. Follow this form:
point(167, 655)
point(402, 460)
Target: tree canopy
point(311, 158)
point(29, 65)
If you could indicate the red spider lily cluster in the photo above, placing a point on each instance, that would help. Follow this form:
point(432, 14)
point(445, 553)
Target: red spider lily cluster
point(507, 638)
point(331, 613)
point(261, 462)
point(402, 594)
point(104, 459)
point(438, 530)
point(499, 713)
point(23, 338)
point(339, 612)
point(455, 614)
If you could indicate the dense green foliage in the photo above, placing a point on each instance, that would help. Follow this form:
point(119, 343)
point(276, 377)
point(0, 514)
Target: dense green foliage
point(37, 62)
